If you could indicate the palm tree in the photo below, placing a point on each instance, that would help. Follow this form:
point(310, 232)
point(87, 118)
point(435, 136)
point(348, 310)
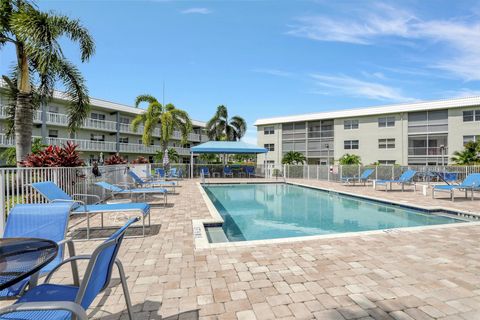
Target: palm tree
point(221, 128)
point(293, 157)
point(168, 117)
point(35, 36)
point(172, 155)
point(347, 159)
point(469, 154)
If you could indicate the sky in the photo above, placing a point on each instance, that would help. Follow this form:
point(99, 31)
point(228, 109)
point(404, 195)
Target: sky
point(272, 58)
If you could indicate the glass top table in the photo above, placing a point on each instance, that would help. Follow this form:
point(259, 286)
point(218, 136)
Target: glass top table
point(23, 257)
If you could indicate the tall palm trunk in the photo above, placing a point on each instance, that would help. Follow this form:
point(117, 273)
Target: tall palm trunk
point(23, 109)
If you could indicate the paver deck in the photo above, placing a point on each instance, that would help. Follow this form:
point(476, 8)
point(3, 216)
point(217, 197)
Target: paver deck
point(427, 274)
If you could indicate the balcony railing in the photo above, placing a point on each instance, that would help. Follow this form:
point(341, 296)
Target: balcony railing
point(85, 145)
point(61, 119)
point(432, 151)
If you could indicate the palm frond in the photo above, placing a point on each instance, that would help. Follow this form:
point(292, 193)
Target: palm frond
point(138, 120)
point(62, 25)
point(76, 91)
point(144, 98)
point(239, 125)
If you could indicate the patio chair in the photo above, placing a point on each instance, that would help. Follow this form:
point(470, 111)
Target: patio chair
point(116, 189)
point(57, 301)
point(45, 221)
point(227, 171)
point(405, 178)
point(154, 183)
point(160, 172)
point(363, 177)
point(53, 193)
point(471, 182)
point(250, 171)
point(204, 172)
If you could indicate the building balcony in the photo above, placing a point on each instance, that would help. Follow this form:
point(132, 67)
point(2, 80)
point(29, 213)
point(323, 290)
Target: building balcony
point(61, 119)
point(423, 151)
point(98, 146)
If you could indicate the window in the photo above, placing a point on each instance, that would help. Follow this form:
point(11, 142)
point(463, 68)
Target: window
point(268, 130)
point(52, 133)
point(386, 143)
point(386, 122)
point(123, 139)
point(97, 137)
point(124, 120)
point(470, 139)
point(386, 162)
point(350, 144)
point(350, 124)
point(269, 146)
point(471, 115)
point(53, 109)
point(97, 116)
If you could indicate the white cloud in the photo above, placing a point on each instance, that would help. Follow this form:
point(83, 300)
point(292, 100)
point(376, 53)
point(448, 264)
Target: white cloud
point(196, 11)
point(460, 38)
point(462, 93)
point(347, 85)
point(273, 72)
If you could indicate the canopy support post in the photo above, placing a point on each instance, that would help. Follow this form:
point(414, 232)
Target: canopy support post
point(191, 165)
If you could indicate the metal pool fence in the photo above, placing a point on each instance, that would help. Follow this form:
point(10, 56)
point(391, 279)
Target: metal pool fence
point(15, 182)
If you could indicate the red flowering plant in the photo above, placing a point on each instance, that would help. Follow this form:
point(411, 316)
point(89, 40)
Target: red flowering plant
point(54, 156)
point(140, 160)
point(115, 159)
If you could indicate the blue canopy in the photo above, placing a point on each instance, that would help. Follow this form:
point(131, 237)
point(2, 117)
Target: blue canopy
point(227, 147)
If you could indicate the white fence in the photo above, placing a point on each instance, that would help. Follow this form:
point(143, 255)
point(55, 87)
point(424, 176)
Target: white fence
point(337, 172)
point(15, 184)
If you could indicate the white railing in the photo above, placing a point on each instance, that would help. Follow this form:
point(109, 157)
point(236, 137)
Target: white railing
point(337, 173)
point(85, 145)
point(15, 184)
point(138, 148)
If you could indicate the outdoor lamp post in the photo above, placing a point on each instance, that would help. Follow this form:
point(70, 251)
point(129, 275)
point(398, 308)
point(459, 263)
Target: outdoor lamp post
point(442, 150)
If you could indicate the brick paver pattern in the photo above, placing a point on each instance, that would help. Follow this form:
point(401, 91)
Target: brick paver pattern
point(427, 274)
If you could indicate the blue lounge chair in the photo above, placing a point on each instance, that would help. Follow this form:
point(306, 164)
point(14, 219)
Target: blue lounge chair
point(227, 171)
point(250, 171)
point(46, 221)
point(363, 177)
point(471, 182)
point(155, 183)
point(405, 178)
point(57, 301)
point(204, 172)
point(53, 193)
point(115, 189)
point(160, 172)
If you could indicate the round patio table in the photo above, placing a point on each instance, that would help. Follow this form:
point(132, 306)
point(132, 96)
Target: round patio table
point(23, 257)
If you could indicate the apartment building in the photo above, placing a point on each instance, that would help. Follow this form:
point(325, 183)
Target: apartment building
point(106, 131)
point(415, 133)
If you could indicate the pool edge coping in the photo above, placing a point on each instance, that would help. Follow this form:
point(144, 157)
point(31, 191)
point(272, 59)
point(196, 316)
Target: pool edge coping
point(201, 238)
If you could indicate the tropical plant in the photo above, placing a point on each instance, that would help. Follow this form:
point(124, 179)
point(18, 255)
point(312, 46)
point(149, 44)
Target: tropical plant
point(140, 160)
point(115, 159)
point(40, 63)
point(294, 157)
point(168, 117)
point(209, 157)
point(244, 157)
point(9, 155)
point(223, 128)
point(172, 156)
point(469, 155)
point(54, 156)
point(351, 159)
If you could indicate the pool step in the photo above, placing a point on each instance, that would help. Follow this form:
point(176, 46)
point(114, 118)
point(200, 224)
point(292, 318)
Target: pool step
point(216, 235)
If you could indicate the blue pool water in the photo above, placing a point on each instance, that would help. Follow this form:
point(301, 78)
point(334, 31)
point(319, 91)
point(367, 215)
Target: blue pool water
point(269, 211)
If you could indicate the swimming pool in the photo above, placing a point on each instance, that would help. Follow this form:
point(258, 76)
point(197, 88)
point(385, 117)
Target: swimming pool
point(271, 211)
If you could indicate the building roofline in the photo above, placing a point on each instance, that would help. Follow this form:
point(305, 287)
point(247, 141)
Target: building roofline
point(377, 110)
point(105, 104)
